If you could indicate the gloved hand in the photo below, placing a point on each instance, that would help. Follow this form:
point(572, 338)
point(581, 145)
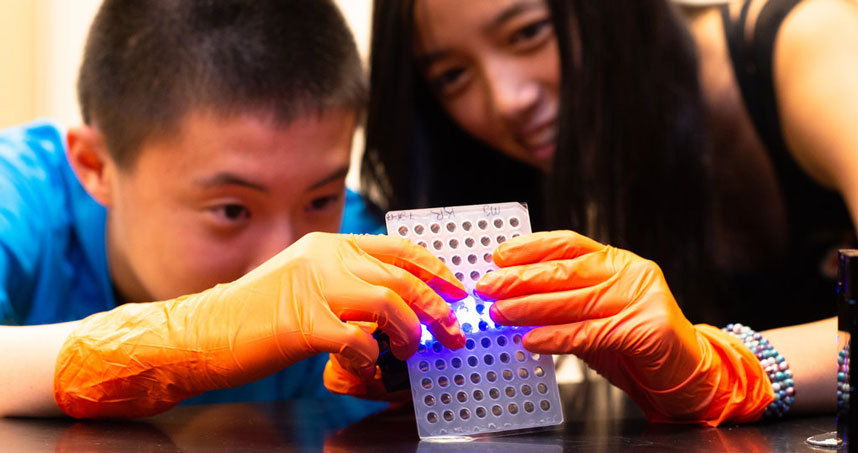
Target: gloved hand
point(614, 310)
point(141, 359)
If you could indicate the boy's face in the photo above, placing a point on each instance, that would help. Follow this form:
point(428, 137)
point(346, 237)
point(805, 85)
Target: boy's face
point(222, 196)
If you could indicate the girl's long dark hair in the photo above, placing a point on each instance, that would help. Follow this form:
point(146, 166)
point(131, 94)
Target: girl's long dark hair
point(631, 161)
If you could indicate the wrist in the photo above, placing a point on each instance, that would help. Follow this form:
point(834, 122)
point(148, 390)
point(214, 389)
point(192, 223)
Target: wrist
point(141, 359)
point(775, 366)
point(729, 384)
point(107, 365)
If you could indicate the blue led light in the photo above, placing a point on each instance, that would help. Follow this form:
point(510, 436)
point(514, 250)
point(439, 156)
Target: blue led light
point(473, 315)
point(425, 336)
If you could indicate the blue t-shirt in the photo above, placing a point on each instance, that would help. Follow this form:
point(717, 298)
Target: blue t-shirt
point(53, 262)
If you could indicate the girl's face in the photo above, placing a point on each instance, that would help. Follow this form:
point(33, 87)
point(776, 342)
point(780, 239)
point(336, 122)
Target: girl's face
point(494, 67)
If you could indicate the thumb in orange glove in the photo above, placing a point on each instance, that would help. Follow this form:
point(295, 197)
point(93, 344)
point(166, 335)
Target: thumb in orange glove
point(141, 359)
point(340, 378)
point(614, 310)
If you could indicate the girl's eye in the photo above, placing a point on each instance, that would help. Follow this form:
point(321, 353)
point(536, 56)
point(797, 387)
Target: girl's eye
point(448, 79)
point(531, 32)
point(232, 212)
point(322, 203)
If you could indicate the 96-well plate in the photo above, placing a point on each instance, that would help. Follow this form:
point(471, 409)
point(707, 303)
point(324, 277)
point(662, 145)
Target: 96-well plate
point(492, 384)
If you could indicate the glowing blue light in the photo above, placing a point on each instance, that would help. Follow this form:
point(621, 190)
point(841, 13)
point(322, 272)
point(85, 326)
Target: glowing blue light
point(425, 336)
point(473, 315)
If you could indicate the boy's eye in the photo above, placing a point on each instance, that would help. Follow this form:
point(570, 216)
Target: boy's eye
point(232, 212)
point(322, 203)
point(531, 32)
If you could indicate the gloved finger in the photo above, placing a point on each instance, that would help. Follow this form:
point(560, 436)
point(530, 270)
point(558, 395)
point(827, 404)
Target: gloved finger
point(415, 259)
point(544, 246)
point(341, 380)
point(429, 307)
point(580, 338)
point(646, 333)
point(642, 349)
point(350, 375)
point(546, 277)
point(561, 307)
point(365, 301)
point(367, 326)
point(355, 369)
point(349, 341)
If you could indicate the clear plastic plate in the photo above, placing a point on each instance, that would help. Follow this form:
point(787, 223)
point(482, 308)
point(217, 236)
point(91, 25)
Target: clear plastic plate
point(492, 384)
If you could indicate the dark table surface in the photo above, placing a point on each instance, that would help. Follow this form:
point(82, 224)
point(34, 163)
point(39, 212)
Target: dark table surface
point(599, 418)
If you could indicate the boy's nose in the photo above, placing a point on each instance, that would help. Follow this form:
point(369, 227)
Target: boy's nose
point(278, 237)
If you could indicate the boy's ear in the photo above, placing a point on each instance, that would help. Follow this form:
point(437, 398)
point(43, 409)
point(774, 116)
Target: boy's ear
point(91, 162)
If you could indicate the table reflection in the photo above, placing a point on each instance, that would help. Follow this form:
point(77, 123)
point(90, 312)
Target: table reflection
point(599, 418)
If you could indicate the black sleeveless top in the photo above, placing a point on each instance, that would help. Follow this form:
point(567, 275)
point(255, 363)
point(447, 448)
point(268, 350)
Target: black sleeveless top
point(801, 288)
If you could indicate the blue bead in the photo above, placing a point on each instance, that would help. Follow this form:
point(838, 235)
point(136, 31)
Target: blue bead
point(467, 327)
point(483, 326)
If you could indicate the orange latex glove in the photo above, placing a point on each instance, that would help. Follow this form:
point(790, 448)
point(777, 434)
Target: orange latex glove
point(340, 378)
point(614, 310)
point(141, 359)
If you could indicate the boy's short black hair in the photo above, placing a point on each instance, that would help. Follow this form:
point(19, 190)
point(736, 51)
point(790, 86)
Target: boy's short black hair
point(148, 63)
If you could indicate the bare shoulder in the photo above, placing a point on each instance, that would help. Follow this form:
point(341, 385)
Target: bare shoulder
point(816, 82)
point(820, 32)
point(818, 21)
point(818, 29)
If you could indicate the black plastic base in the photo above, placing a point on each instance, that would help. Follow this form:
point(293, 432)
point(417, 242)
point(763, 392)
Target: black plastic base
point(394, 372)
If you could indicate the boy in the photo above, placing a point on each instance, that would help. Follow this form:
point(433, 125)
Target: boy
point(216, 134)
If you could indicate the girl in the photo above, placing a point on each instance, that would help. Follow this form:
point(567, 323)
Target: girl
point(713, 139)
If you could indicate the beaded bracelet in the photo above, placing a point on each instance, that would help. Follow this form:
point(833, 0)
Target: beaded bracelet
point(775, 365)
point(843, 387)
